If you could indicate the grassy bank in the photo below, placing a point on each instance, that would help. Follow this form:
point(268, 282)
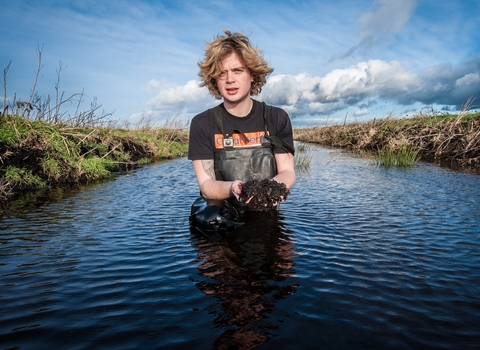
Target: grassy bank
point(43, 145)
point(442, 138)
point(36, 154)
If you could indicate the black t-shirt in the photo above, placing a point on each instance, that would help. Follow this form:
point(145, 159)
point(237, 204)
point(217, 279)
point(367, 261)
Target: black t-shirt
point(205, 135)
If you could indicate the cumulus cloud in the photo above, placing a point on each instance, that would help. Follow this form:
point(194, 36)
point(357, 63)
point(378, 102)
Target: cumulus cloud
point(387, 18)
point(446, 84)
point(341, 88)
point(152, 86)
point(359, 86)
point(171, 96)
point(363, 84)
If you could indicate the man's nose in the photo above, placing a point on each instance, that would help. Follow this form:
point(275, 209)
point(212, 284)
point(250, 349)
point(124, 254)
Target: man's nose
point(230, 77)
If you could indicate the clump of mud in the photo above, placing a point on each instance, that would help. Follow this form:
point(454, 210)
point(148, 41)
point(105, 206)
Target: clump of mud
point(263, 195)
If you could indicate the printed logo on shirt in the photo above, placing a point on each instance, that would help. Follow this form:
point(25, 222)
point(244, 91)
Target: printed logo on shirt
point(254, 139)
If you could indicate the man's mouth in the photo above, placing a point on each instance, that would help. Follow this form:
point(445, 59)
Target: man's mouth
point(232, 91)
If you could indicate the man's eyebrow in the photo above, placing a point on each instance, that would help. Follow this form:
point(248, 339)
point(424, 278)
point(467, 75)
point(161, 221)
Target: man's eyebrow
point(239, 67)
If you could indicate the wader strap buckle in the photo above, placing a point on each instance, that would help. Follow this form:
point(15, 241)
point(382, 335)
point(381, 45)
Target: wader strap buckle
point(227, 138)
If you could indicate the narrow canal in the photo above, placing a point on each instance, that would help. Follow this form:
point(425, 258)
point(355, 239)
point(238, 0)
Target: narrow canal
point(358, 257)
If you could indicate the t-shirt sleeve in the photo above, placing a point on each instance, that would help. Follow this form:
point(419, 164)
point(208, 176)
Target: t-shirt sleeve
point(199, 144)
point(283, 129)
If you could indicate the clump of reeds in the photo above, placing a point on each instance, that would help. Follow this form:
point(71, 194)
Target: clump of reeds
point(436, 137)
point(303, 157)
point(401, 157)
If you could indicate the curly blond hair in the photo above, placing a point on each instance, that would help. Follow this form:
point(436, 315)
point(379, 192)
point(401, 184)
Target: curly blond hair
point(222, 46)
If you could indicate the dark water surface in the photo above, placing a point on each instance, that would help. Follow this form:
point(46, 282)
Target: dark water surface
point(357, 257)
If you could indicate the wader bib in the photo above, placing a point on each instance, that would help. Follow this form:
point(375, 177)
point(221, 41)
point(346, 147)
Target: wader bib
point(244, 164)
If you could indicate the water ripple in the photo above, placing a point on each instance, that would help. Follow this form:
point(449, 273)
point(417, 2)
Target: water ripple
point(357, 257)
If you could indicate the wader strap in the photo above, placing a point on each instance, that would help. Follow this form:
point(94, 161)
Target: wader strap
point(217, 113)
point(275, 140)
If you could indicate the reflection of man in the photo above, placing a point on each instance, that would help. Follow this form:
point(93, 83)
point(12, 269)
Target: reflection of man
point(241, 139)
point(247, 272)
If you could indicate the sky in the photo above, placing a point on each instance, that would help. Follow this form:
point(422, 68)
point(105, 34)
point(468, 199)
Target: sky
point(334, 61)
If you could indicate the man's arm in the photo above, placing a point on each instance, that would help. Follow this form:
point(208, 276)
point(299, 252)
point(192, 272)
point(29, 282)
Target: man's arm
point(285, 169)
point(211, 188)
point(214, 189)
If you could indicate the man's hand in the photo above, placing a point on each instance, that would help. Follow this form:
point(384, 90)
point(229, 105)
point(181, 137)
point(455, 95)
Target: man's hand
point(236, 188)
point(263, 194)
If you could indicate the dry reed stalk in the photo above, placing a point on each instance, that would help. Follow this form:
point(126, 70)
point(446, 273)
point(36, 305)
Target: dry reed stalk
point(437, 138)
point(6, 190)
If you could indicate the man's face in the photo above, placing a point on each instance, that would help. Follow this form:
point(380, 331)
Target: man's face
point(235, 81)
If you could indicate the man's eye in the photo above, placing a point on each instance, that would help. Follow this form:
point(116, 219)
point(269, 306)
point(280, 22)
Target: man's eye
point(238, 70)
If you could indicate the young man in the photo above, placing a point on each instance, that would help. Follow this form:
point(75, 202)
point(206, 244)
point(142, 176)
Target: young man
point(241, 139)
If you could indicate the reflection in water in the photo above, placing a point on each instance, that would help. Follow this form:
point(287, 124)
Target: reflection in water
point(386, 259)
point(247, 271)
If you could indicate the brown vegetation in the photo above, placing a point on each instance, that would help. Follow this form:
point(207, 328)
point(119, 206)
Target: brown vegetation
point(37, 154)
point(448, 139)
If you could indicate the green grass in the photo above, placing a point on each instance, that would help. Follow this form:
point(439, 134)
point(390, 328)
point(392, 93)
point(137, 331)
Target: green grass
point(303, 157)
point(402, 157)
point(22, 178)
point(95, 168)
point(51, 167)
point(144, 161)
point(36, 154)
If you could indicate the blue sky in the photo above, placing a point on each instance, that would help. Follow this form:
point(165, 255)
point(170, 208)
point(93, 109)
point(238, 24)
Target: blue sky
point(333, 59)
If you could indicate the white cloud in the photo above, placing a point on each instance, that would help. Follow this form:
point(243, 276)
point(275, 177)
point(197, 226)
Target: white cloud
point(361, 112)
point(171, 97)
point(174, 94)
point(362, 84)
point(468, 79)
point(340, 88)
point(387, 19)
point(152, 86)
point(468, 85)
point(288, 90)
point(359, 87)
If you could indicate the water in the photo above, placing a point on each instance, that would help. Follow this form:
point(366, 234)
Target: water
point(357, 257)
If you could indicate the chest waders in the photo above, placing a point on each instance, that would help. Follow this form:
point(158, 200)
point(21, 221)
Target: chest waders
point(244, 164)
point(248, 163)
